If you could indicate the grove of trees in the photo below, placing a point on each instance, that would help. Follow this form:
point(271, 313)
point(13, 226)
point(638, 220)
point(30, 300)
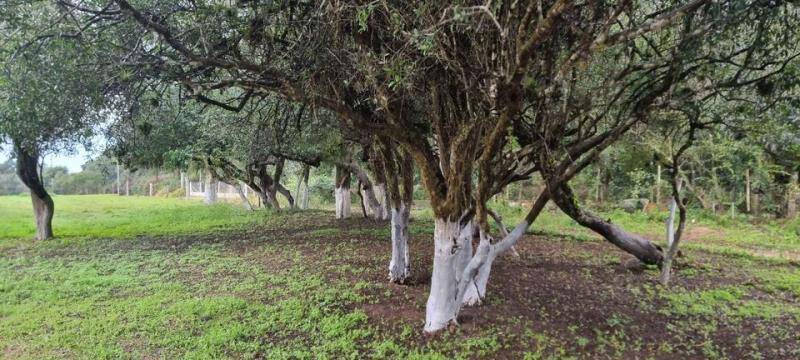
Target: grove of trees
point(467, 99)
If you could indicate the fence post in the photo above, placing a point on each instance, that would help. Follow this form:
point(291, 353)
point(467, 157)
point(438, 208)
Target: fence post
point(151, 189)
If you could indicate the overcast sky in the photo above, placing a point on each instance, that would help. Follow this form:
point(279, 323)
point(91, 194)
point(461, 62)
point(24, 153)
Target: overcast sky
point(72, 162)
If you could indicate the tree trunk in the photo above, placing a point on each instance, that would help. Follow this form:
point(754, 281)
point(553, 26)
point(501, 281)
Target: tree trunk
point(210, 190)
point(245, 202)
point(364, 210)
point(119, 184)
point(452, 245)
point(674, 237)
point(633, 244)
point(342, 193)
point(342, 196)
point(658, 185)
point(383, 197)
point(285, 192)
point(453, 279)
point(268, 200)
point(791, 197)
point(481, 267)
point(747, 190)
point(303, 195)
point(400, 266)
point(43, 207)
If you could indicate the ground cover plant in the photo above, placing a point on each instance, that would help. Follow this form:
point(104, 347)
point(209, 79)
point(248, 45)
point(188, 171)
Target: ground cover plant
point(287, 285)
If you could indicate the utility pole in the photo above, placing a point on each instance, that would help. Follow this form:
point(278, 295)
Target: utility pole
point(119, 189)
point(747, 190)
point(658, 183)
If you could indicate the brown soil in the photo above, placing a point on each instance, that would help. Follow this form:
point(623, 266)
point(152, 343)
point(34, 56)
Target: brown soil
point(562, 288)
point(557, 293)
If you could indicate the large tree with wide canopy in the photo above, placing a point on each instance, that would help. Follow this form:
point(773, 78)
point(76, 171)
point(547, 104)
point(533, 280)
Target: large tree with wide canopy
point(478, 94)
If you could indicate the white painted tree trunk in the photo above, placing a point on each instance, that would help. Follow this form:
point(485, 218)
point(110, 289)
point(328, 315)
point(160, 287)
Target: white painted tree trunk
point(671, 222)
point(304, 197)
point(672, 242)
point(210, 191)
point(452, 244)
point(480, 267)
point(440, 310)
point(342, 196)
point(400, 266)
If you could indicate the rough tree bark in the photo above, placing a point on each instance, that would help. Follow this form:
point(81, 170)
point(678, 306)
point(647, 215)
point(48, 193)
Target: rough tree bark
point(43, 207)
point(377, 166)
point(641, 248)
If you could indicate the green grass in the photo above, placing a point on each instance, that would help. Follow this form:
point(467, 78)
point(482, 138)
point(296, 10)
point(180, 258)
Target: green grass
point(775, 240)
point(137, 277)
point(92, 216)
point(204, 303)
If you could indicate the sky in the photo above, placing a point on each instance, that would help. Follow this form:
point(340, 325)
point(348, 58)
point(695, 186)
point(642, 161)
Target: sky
point(72, 161)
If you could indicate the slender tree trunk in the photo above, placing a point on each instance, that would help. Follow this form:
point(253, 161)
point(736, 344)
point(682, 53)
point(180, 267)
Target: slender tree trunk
point(658, 184)
point(791, 197)
point(304, 193)
point(476, 289)
point(398, 173)
point(747, 190)
point(285, 192)
point(673, 207)
point(119, 184)
point(400, 265)
point(362, 202)
point(43, 207)
point(453, 279)
point(210, 190)
point(268, 200)
point(243, 196)
point(342, 193)
point(599, 179)
point(674, 235)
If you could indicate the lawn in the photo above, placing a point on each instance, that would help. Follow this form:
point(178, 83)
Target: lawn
point(137, 277)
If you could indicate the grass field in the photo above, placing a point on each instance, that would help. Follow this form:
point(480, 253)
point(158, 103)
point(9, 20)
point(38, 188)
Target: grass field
point(168, 278)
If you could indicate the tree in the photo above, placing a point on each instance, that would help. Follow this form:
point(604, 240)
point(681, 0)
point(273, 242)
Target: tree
point(49, 96)
point(479, 96)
